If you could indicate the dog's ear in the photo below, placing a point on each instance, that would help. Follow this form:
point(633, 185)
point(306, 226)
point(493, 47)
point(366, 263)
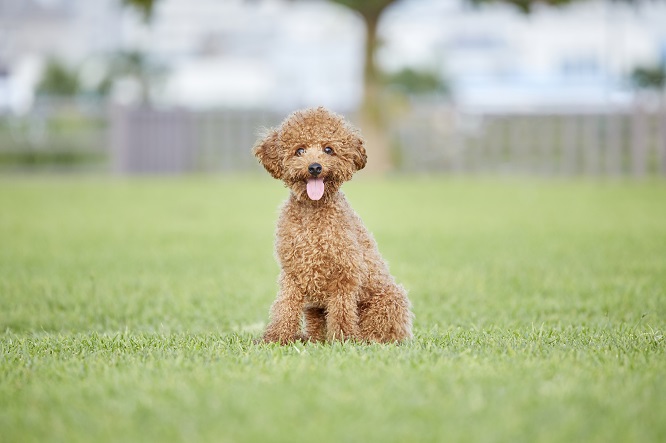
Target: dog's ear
point(358, 151)
point(267, 150)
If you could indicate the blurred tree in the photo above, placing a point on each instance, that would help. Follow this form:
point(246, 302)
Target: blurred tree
point(144, 7)
point(371, 116)
point(104, 87)
point(526, 5)
point(58, 79)
point(412, 81)
point(137, 67)
point(649, 77)
point(371, 112)
point(370, 11)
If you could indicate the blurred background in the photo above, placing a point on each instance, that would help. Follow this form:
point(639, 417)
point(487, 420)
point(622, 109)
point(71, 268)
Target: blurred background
point(557, 87)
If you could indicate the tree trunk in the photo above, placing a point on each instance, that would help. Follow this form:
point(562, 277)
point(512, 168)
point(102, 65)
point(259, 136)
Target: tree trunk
point(371, 120)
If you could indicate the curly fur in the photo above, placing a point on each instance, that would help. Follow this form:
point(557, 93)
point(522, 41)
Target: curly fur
point(331, 271)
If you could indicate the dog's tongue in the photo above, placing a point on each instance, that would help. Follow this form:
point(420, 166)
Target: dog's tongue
point(315, 188)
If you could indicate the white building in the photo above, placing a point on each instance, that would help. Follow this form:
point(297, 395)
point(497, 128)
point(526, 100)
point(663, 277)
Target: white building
point(32, 30)
point(271, 53)
point(577, 55)
point(284, 54)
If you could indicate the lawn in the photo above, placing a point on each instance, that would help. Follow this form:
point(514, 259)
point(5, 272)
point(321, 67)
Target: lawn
point(128, 309)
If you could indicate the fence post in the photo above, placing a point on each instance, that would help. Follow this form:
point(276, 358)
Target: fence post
point(612, 141)
point(118, 139)
point(516, 141)
point(457, 143)
point(638, 129)
point(591, 144)
point(569, 143)
point(661, 141)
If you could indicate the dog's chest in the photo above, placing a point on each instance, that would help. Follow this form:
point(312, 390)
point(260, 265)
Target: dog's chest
point(318, 248)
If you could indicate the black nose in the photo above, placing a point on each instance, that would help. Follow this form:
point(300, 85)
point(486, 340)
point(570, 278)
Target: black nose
point(314, 169)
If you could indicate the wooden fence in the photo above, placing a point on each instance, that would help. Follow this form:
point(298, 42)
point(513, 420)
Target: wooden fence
point(175, 141)
point(617, 142)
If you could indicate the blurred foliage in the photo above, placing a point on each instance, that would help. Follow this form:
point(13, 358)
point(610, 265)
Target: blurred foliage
point(60, 157)
point(144, 7)
point(525, 5)
point(135, 65)
point(63, 134)
point(58, 80)
point(61, 80)
point(367, 8)
point(412, 81)
point(649, 77)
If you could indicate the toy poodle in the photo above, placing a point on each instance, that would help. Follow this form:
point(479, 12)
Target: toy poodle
point(332, 274)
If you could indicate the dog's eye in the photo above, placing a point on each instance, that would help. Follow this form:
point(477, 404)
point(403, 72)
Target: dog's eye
point(300, 151)
point(328, 150)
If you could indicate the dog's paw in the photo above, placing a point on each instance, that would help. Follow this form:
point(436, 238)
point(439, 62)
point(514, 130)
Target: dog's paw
point(281, 339)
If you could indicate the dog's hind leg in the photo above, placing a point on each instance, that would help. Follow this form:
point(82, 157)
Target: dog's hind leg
point(315, 323)
point(384, 316)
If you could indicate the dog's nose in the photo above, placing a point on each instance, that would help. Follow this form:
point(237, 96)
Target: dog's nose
point(314, 169)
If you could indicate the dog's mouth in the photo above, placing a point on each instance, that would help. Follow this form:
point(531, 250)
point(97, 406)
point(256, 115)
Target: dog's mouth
point(315, 188)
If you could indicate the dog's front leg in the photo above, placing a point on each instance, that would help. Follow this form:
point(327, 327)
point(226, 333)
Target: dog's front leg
point(285, 323)
point(342, 314)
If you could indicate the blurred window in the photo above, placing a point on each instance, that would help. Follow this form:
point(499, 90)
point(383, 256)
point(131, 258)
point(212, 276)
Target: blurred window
point(580, 66)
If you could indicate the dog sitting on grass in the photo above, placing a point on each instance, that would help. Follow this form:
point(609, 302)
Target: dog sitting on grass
point(331, 270)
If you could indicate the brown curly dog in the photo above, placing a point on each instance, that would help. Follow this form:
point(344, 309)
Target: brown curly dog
point(331, 270)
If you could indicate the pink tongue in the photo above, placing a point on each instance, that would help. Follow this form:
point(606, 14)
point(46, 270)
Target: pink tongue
point(315, 188)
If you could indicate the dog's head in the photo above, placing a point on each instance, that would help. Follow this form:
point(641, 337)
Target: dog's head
point(313, 152)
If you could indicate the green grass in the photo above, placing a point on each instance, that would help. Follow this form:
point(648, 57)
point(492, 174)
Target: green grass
point(128, 310)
